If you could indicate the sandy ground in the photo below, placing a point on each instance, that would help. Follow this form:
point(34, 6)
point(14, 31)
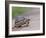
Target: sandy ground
point(34, 16)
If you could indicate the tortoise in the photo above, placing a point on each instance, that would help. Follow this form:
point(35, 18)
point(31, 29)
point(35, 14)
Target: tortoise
point(21, 21)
